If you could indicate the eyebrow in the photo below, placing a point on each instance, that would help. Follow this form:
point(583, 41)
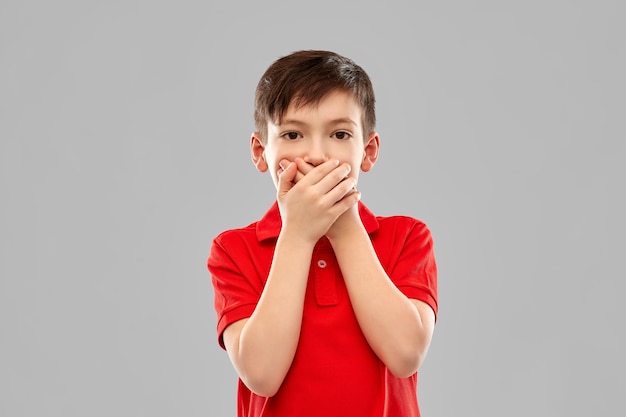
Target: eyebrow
point(331, 122)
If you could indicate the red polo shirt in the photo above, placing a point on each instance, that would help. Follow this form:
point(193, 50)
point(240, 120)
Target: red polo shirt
point(334, 371)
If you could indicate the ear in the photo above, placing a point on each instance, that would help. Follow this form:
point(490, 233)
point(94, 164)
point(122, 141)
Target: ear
point(370, 152)
point(257, 151)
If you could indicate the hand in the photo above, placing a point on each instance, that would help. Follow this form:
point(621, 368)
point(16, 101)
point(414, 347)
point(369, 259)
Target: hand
point(310, 202)
point(347, 220)
point(303, 168)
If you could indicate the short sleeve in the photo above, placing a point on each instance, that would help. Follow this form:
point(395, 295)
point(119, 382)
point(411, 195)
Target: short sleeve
point(415, 269)
point(235, 295)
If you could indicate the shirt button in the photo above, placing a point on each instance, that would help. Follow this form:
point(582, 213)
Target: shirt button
point(321, 263)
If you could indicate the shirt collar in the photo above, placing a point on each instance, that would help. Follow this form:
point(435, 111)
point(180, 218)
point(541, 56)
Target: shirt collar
point(269, 225)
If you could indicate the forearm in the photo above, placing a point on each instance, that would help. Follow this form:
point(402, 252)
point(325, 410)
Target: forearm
point(269, 338)
point(390, 321)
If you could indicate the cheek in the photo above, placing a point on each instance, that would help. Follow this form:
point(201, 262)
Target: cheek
point(356, 165)
point(354, 172)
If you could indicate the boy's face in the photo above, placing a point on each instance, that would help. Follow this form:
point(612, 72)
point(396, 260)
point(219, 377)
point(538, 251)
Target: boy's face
point(331, 129)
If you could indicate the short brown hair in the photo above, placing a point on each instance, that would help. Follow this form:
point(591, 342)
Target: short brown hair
point(307, 77)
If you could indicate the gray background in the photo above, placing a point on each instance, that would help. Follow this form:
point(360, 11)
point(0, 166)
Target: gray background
point(124, 130)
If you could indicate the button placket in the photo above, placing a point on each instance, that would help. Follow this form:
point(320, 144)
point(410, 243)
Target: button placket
point(324, 275)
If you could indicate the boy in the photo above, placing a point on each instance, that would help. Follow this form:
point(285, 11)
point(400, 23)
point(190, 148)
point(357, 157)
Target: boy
point(324, 309)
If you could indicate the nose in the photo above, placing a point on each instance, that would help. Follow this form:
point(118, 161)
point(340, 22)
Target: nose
point(316, 154)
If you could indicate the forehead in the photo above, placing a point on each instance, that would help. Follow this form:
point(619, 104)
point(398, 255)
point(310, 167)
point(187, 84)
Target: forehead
point(336, 105)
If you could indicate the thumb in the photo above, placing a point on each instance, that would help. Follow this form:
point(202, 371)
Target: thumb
point(286, 178)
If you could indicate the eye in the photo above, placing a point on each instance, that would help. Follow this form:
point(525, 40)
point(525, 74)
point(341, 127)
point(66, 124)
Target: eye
point(291, 135)
point(341, 135)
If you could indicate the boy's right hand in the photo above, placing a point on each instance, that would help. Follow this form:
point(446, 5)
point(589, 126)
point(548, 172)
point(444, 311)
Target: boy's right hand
point(309, 204)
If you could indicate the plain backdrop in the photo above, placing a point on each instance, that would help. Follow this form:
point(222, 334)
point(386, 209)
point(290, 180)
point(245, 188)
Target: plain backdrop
point(124, 129)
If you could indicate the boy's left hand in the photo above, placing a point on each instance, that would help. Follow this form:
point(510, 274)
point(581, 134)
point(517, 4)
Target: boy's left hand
point(348, 219)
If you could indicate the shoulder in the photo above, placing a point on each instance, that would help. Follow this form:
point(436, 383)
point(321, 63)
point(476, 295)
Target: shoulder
point(232, 236)
point(233, 242)
point(261, 232)
point(400, 220)
point(401, 225)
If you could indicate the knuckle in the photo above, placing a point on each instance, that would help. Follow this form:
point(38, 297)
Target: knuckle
point(338, 175)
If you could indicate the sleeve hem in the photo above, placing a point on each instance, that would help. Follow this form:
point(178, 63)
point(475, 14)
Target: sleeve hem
point(228, 318)
point(422, 295)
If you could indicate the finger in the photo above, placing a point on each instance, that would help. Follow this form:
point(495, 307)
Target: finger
point(285, 178)
point(340, 191)
point(334, 177)
point(320, 172)
point(284, 162)
point(351, 198)
point(345, 203)
point(303, 166)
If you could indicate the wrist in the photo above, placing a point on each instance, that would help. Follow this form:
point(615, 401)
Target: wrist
point(346, 229)
point(295, 238)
